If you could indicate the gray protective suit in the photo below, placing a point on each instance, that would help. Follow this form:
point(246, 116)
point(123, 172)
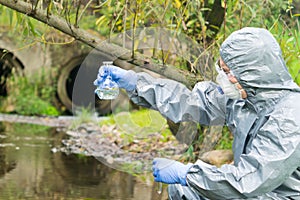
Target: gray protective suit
point(266, 125)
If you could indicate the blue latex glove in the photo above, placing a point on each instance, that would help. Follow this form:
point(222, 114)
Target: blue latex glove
point(170, 171)
point(124, 78)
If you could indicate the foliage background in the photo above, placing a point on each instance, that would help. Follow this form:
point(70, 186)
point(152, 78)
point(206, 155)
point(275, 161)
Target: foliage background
point(190, 17)
point(195, 18)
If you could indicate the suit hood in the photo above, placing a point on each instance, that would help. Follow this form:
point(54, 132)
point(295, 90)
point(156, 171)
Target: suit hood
point(255, 58)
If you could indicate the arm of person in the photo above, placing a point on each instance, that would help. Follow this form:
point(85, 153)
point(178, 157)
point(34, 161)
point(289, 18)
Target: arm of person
point(270, 159)
point(204, 104)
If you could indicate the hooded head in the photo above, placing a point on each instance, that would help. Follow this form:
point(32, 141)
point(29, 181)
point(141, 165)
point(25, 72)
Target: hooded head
point(255, 58)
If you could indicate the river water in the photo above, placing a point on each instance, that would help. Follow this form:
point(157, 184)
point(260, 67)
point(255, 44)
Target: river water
point(29, 169)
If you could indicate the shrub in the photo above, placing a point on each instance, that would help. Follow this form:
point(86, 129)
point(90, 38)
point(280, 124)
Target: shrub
point(30, 95)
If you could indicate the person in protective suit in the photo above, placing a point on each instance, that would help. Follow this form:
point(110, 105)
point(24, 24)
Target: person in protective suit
point(256, 98)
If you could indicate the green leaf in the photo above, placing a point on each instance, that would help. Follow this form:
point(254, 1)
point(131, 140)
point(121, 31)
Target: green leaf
point(291, 39)
point(191, 22)
point(31, 27)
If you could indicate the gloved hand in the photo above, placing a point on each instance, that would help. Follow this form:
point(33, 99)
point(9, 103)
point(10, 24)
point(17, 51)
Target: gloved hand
point(170, 171)
point(124, 78)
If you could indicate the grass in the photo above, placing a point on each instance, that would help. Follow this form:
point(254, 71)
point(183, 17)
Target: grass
point(85, 115)
point(139, 123)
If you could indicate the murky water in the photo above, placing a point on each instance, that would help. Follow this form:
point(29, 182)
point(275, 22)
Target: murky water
point(29, 170)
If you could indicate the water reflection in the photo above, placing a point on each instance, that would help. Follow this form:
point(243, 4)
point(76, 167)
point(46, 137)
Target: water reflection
point(29, 170)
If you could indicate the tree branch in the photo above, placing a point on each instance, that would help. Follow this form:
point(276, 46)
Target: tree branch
point(118, 53)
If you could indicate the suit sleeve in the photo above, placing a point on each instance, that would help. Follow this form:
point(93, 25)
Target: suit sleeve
point(204, 104)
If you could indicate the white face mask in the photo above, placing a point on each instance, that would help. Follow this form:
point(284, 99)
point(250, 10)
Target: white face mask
point(229, 89)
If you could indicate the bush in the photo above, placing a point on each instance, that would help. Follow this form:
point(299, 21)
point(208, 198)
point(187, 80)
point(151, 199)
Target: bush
point(34, 105)
point(30, 95)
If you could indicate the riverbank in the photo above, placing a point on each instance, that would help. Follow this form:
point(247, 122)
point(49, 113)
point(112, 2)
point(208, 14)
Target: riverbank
point(107, 144)
point(63, 121)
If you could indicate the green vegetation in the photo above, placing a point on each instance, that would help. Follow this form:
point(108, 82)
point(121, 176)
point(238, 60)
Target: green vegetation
point(139, 124)
point(84, 115)
point(289, 40)
point(225, 141)
point(189, 155)
point(192, 19)
point(30, 95)
point(281, 18)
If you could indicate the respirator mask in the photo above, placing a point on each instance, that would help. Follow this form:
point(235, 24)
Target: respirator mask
point(229, 89)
